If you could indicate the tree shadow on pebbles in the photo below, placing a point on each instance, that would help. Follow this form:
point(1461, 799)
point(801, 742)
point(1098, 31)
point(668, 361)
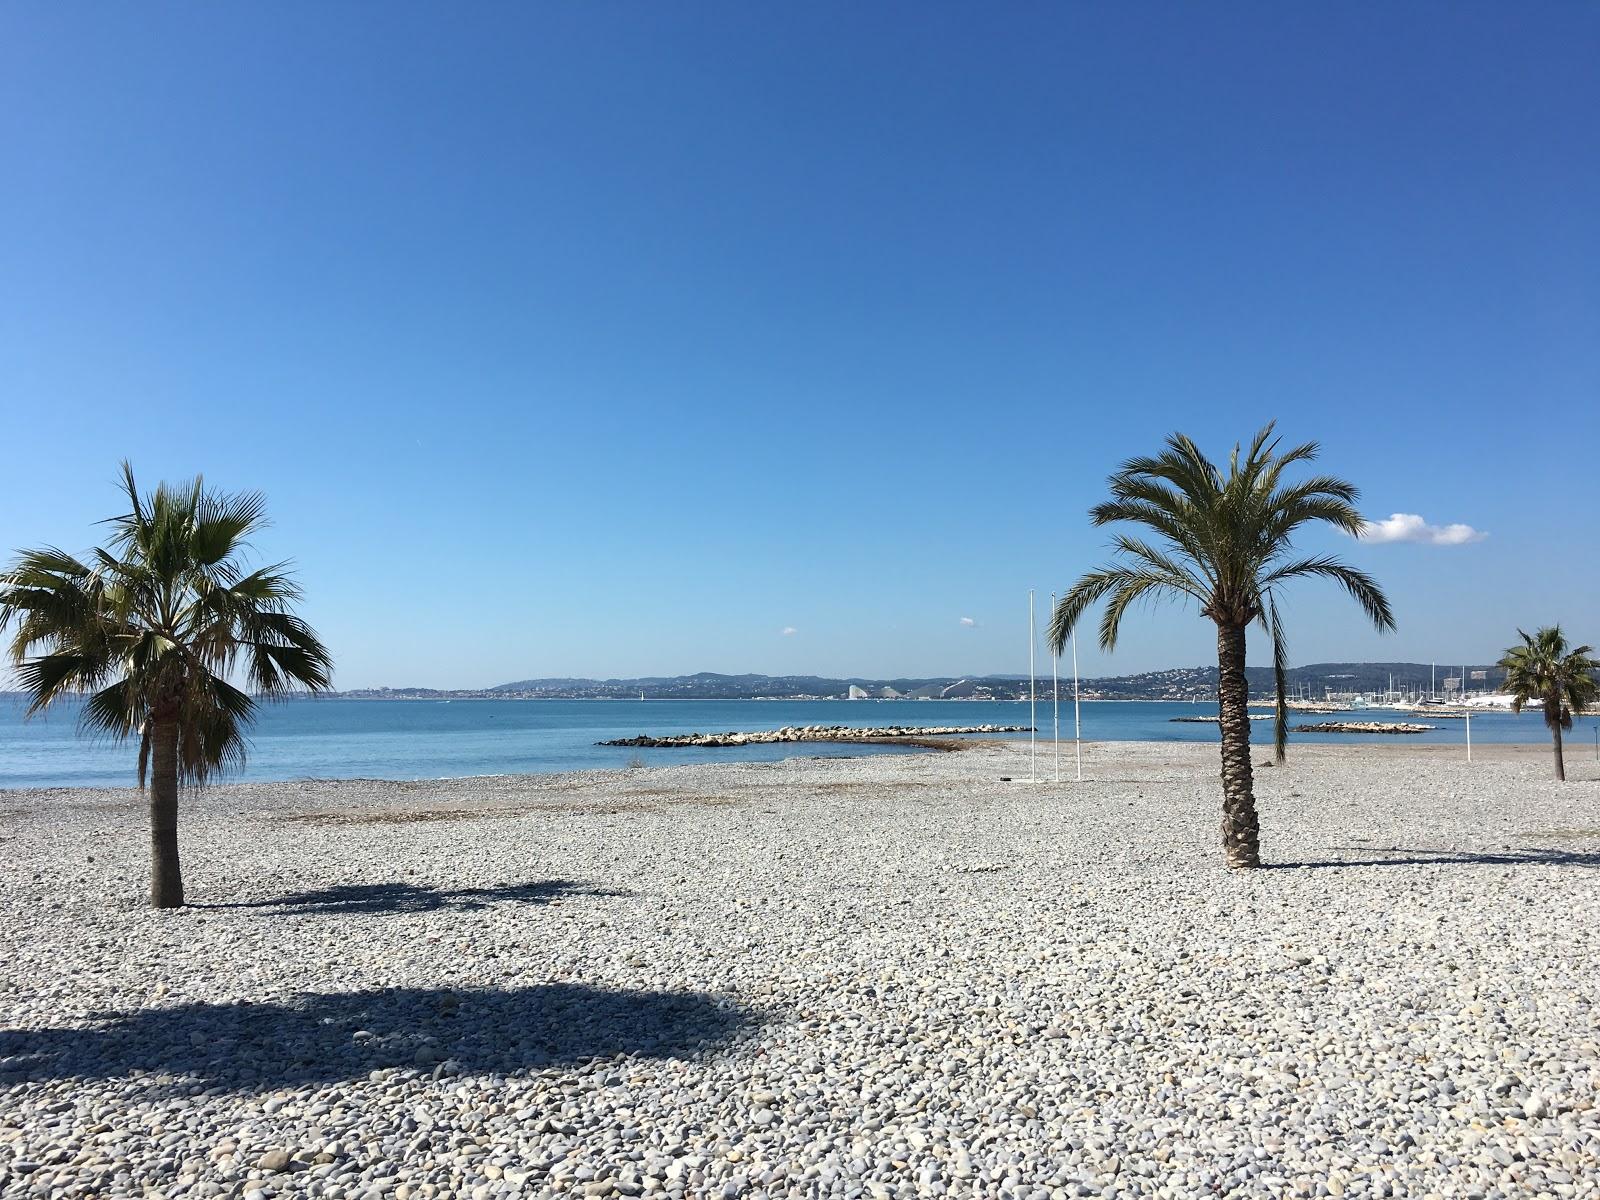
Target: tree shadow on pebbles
point(1400, 857)
point(358, 898)
point(324, 1038)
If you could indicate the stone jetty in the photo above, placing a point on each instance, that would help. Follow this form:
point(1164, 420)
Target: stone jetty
point(1363, 727)
point(812, 733)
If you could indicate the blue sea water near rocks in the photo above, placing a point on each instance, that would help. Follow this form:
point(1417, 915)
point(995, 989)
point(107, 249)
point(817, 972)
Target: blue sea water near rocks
point(333, 738)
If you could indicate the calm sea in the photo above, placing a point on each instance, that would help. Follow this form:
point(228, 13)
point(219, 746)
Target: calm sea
point(424, 739)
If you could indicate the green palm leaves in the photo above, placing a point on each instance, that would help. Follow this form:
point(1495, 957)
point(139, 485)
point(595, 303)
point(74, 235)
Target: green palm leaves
point(1223, 541)
point(166, 614)
point(1544, 669)
point(1560, 679)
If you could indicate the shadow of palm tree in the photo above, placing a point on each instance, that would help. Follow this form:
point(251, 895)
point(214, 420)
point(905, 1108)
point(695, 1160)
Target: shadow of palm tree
point(1400, 857)
point(354, 898)
point(326, 1037)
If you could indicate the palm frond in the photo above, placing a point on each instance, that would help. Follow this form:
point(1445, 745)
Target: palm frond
point(115, 711)
point(212, 717)
point(1270, 470)
point(222, 522)
point(1170, 516)
point(1280, 681)
point(1189, 582)
point(1182, 465)
point(1135, 586)
point(1071, 606)
point(1361, 586)
point(49, 677)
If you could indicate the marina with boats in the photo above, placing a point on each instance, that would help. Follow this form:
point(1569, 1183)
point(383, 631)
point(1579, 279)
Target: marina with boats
point(1447, 698)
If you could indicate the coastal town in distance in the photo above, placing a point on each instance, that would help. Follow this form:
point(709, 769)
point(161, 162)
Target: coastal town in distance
point(1343, 685)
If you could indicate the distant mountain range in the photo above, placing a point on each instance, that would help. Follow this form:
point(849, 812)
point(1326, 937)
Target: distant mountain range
point(1176, 683)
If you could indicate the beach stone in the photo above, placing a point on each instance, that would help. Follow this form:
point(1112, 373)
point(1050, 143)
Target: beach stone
point(777, 978)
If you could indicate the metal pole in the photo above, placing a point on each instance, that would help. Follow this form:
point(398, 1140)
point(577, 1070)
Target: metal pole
point(1077, 712)
point(1055, 693)
point(1033, 701)
point(1469, 735)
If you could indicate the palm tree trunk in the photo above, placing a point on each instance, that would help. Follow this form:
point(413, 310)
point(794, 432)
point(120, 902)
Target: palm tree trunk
point(166, 880)
point(1240, 831)
point(1561, 765)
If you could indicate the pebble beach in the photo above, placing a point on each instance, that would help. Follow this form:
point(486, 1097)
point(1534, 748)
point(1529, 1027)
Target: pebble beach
point(897, 976)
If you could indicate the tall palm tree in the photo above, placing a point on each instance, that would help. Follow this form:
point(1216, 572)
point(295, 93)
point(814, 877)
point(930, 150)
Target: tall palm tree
point(1225, 546)
point(1562, 680)
point(153, 625)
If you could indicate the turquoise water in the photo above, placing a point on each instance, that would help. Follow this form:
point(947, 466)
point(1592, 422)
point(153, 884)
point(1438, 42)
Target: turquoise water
point(426, 739)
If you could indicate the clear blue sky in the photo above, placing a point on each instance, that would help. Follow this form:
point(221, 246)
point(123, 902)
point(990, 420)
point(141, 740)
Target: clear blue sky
point(621, 338)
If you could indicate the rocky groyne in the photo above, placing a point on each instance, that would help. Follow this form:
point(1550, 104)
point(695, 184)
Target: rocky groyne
point(812, 733)
point(1363, 727)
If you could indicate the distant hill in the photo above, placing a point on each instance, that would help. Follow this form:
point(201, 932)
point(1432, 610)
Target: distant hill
point(1175, 683)
point(709, 685)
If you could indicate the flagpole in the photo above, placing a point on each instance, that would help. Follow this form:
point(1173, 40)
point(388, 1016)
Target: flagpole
point(1055, 693)
point(1033, 701)
point(1077, 712)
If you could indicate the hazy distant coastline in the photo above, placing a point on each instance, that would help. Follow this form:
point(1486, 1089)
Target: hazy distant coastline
point(1174, 683)
point(1181, 684)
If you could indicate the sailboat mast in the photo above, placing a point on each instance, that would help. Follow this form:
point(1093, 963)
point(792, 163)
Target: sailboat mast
point(1033, 700)
point(1055, 695)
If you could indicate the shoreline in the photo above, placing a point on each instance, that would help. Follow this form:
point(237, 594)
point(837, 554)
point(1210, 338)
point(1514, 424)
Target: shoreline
point(299, 698)
point(1482, 753)
point(441, 740)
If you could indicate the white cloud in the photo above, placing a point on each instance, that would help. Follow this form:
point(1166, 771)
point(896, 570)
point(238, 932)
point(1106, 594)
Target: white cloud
point(968, 622)
point(789, 631)
point(1409, 527)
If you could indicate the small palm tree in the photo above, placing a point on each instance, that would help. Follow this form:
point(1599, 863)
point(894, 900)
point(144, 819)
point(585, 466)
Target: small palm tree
point(153, 626)
point(1561, 680)
point(1226, 546)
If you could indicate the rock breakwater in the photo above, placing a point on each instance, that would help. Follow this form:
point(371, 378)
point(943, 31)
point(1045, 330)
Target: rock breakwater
point(1363, 727)
point(812, 733)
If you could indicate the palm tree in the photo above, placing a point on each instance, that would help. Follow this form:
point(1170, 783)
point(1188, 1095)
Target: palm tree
point(1226, 546)
point(1561, 680)
point(153, 626)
